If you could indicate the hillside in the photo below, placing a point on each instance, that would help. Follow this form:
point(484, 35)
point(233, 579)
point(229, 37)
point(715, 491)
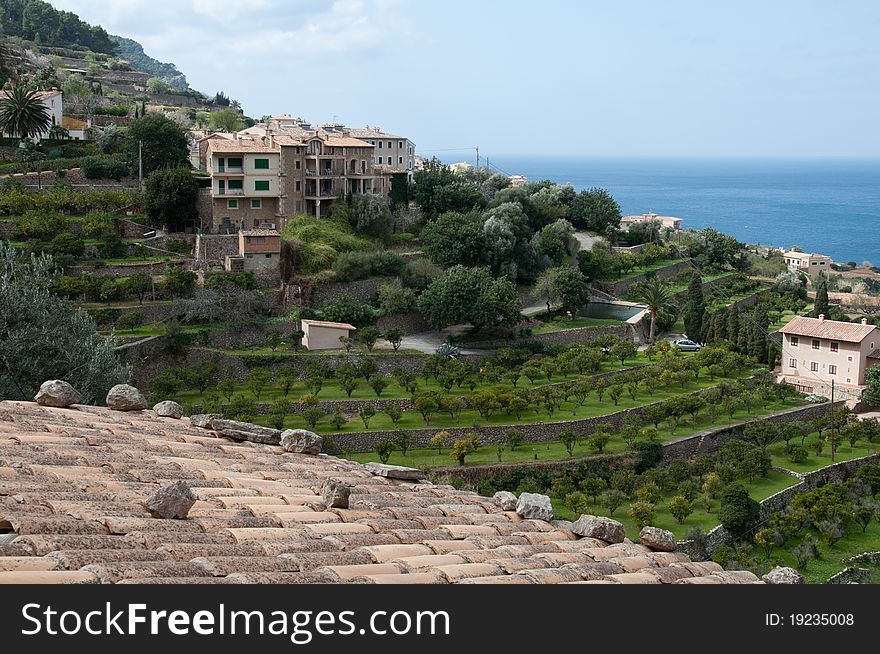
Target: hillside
point(133, 52)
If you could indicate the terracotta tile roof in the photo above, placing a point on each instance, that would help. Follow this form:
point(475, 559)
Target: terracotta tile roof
point(834, 330)
point(72, 483)
point(243, 145)
point(324, 323)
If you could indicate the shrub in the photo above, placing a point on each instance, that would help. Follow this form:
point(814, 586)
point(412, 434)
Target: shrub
point(345, 309)
point(104, 167)
point(354, 266)
point(738, 510)
point(796, 452)
point(680, 508)
point(384, 450)
point(68, 244)
point(464, 447)
point(642, 513)
point(98, 223)
point(40, 224)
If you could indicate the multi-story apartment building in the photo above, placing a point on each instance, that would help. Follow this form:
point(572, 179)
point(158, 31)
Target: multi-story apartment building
point(263, 176)
point(397, 152)
point(817, 352)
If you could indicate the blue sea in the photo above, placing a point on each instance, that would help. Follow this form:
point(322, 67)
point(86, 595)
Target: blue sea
point(827, 206)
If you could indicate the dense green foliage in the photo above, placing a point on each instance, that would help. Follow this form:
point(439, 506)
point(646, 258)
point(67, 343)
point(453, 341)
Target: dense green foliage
point(35, 20)
point(170, 198)
point(42, 337)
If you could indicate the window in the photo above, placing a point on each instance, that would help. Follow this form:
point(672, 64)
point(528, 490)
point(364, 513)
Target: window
point(848, 380)
point(222, 186)
point(261, 185)
point(849, 359)
point(235, 162)
point(380, 145)
point(256, 204)
point(297, 165)
point(390, 145)
point(835, 347)
point(832, 370)
point(221, 164)
point(794, 341)
point(268, 256)
point(814, 366)
point(299, 206)
point(261, 164)
point(815, 344)
point(298, 186)
point(232, 204)
point(235, 184)
point(792, 363)
point(400, 160)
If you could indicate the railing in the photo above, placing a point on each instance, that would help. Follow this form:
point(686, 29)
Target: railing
point(230, 191)
point(231, 171)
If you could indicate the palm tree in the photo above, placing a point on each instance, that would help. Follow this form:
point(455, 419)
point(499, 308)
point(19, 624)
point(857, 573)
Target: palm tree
point(655, 294)
point(22, 113)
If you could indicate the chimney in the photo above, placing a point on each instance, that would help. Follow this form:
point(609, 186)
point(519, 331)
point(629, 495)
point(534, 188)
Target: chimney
point(864, 321)
point(821, 316)
point(271, 139)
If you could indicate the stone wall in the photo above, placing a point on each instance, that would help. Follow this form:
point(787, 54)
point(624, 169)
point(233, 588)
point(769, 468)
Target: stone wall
point(125, 270)
point(408, 323)
point(563, 337)
point(205, 209)
point(854, 574)
point(127, 228)
point(214, 248)
point(710, 440)
point(619, 288)
point(364, 290)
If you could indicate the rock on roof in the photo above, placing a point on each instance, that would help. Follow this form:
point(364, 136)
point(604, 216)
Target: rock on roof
point(829, 329)
point(73, 482)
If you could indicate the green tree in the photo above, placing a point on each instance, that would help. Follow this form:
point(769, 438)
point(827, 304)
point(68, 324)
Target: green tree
point(694, 308)
point(226, 120)
point(821, 306)
point(595, 210)
point(22, 113)
point(370, 215)
point(384, 449)
point(366, 413)
point(131, 320)
point(593, 487)
point(569, 439)
point(395, 413)
point(438, 440)
point(612, 499)
point(170, 198)
point(642, 513)
point(379, 384)
point(738, 511)
point(455, 239)
point(464, 447)
point(680, 507)
point(164, 143)
point(623, 350)
point(257, 380)
point(368, 336)
point(871, 394)
point(573, 289)
point(470, 295)
point(655, 294)
point(44, 337)
point(394, 336)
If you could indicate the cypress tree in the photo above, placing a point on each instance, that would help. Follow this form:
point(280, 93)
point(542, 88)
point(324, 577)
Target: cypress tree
point(733, 326)
point(693, 310)
point(758, 340)
point(719, 326)
point(744, 336)
point(707, 333)
point(821, 307)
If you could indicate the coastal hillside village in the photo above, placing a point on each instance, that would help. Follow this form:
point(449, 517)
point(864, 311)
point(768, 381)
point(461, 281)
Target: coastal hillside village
point(265, 350)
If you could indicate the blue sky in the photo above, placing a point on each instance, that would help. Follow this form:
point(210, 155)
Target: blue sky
point(579, 77)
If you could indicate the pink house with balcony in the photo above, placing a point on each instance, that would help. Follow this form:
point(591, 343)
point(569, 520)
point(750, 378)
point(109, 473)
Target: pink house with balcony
point(817, 352)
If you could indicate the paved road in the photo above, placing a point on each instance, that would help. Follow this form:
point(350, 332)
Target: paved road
point(586, 240)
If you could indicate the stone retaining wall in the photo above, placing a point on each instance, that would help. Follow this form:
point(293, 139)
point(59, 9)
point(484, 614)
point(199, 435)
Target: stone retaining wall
point(408, 323)
point(619, 288)
point(126, 270)
point(364, 290)
point(76, 179)
point(564, 337)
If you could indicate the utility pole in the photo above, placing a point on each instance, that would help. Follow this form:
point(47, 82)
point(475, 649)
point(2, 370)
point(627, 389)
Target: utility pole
point(478, 156)
point(833, 425)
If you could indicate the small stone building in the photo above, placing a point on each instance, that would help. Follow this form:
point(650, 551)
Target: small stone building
point(321, 335)
point(259, 251)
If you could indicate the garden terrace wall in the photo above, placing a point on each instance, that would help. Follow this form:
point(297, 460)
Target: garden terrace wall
point(153, 311)
point(472, 474)
point(77, 179)
point(539, 432)
point(709, 440)
point(681, 296)
point(564, 337)
point(7, 230)
point(214, 248)
point(619, 288)
point(853, 574)
point(408, 323)
point(124, 270)
point(151, 361)
point(364, 290)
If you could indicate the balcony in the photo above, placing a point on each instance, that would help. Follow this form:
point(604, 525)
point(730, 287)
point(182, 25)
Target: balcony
point(232, 192)
point(230, 171)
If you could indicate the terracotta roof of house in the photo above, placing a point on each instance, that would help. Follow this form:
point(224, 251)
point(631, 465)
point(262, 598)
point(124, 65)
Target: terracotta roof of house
point(242, 145)
point(324, 323)
point(347, 142)
point(73, 482)
point(834, 330)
